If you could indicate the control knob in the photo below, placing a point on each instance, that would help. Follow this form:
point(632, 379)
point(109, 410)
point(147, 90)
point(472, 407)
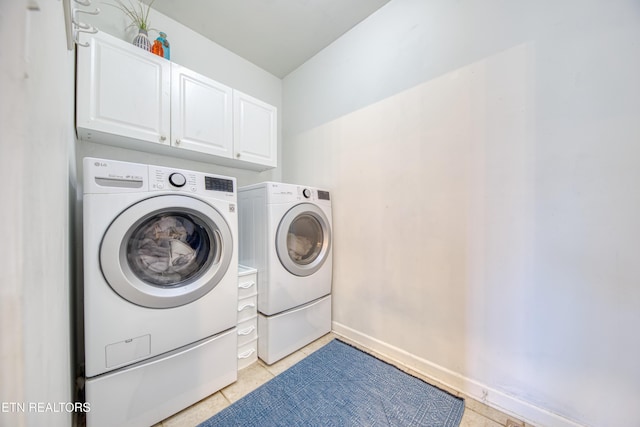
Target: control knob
point(177, 179)
point(306, 193)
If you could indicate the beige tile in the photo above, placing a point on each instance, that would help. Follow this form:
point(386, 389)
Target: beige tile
point(320, 342)
point(249, 379)
point(287, 362)
point(198, 412)
point(489, 412)
point(282, 365)
point(473, 419)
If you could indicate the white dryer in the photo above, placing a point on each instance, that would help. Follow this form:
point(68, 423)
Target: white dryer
point(286, 233)
point(160, 289)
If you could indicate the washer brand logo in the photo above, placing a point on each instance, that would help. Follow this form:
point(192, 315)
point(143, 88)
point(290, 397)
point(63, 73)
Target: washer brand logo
point(100, 164)
point(232, 208)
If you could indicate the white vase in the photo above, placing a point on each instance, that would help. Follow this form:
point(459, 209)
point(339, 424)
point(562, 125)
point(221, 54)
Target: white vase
point(142, 40)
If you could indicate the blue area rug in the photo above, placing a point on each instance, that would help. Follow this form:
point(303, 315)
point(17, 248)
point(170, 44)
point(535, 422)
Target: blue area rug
point(339, 385)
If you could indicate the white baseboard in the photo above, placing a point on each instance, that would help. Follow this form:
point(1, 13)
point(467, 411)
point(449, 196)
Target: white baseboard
point(501, 401)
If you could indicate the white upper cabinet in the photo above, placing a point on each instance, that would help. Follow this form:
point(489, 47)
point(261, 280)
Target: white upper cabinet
point(122, 92)
point(131, 98)
point(201, 113)
point(255, 130)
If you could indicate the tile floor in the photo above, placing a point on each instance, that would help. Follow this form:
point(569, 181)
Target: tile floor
point(476, 414)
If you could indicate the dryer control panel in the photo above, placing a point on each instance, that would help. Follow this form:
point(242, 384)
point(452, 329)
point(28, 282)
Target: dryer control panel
point(278, 192)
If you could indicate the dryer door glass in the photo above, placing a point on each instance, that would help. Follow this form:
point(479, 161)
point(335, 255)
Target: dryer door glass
point(171, 248)
point(304, 239)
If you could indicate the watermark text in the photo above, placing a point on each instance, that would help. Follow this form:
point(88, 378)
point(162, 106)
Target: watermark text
point(43, 407)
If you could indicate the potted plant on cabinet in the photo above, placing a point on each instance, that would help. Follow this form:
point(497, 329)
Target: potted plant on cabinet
point(139, 16)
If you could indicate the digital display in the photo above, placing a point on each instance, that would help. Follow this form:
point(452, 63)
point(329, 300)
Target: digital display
point(218, 184)
point(323, 195)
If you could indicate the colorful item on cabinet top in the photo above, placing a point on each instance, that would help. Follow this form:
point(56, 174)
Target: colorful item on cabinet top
point(157, 48)
point(165, 45)
point(161, 46)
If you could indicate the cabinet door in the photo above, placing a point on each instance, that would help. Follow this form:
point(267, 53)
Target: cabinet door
point(255, 137)
point(201, 113)
point(122, 90)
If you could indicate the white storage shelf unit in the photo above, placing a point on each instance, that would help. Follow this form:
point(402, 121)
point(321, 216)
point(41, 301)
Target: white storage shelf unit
point(129, 97)
point(247, 329)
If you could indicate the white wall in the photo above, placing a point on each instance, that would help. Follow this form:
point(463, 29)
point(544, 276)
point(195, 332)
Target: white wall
point(483, 158)
point(193, 51)
point(36, 146)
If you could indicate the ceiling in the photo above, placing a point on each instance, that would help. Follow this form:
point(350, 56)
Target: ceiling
point(276, 35)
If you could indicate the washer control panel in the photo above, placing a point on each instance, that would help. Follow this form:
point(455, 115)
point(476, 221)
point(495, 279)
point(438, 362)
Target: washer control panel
point(112, 176)
point(166, 179)
point(218, 184)
point(177, 179)
point(170, 179)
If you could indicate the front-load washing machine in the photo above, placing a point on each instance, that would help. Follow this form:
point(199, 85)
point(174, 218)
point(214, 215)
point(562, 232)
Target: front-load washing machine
point(286, 233)
point(160, 289)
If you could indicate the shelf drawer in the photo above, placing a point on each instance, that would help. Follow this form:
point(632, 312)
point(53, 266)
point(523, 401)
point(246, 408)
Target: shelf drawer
point(247, 308)
point(247, 354)
point(247, 286)
point(247, 331)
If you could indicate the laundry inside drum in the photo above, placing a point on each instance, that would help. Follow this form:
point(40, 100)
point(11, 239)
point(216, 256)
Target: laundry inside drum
point(169, 249)
point(304, 239)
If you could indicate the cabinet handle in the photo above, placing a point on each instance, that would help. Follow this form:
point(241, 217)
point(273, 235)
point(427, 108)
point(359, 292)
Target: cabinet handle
point(247, 331)
point(163, 138)
point(238, 155)
point(246, 354)
point(177, 142)
point(246, 285)
point(246, 306)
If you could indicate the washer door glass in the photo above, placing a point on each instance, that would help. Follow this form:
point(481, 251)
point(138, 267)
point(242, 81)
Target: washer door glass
point(170, 248)
point(166, 251)
point(303, 239)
